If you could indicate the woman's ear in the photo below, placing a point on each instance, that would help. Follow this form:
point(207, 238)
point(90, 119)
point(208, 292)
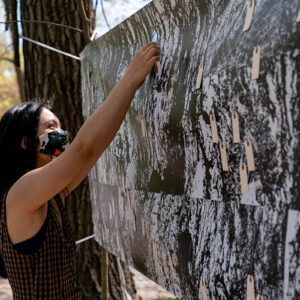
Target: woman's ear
point(24, 142)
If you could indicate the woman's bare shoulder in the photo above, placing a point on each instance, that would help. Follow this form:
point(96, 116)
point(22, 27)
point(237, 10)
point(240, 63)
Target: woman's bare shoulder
point(22, 224)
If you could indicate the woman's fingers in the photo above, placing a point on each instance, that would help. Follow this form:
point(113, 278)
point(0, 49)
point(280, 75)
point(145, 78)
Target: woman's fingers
point(142, 63)
point(150, 52)
point(143, 49)
point(152, 61)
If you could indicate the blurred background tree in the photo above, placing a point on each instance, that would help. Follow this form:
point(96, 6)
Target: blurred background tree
point(55, 77)
point(9, 89)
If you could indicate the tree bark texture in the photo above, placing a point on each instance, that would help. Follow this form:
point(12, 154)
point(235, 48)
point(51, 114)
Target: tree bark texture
point(170, 209)
point(52, 76)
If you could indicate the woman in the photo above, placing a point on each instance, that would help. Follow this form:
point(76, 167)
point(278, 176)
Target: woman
point(37, 246)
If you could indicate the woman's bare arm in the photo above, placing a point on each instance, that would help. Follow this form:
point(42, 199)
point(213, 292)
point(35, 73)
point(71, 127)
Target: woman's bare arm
point(38, 186)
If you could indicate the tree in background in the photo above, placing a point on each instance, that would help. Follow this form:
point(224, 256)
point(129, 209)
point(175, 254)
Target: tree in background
point(9, 89)
point(52, 76)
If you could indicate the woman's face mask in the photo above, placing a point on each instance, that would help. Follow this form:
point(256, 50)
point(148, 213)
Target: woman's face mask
point(54, 143)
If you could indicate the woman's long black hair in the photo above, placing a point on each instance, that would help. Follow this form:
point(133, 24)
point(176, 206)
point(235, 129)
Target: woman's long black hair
point(19, 121)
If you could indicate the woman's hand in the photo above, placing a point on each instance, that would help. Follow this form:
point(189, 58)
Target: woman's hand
point(141, 64)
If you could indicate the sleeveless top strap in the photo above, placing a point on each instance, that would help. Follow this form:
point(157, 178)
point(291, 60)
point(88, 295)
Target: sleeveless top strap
point(2, 214)
point(67, 228)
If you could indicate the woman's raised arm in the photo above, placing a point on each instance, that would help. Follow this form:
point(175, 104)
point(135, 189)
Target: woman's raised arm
point(38, 186)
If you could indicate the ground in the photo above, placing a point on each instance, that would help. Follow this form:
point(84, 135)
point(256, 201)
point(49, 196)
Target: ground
point(147, 289)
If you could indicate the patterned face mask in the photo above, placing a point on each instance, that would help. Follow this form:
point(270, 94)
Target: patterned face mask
point(54, 143)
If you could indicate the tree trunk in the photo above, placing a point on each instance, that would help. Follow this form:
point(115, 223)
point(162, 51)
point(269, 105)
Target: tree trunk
point(11, 9)
point(56, 77)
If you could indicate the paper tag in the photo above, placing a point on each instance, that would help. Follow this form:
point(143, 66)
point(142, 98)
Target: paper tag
point(122, 202)
point(143, 126)
point(244, 178)
point(170, 260)
point(154, 36)
point(133, 220)
point(214, 130)
point(123, 183)
point(199, 77)
point(155, 253)
point(249, 155)
point(159, 68)
point(224, 159)
point(155, 40)
point(250, 288)
point(122, 128)
point(118, 241)
point(256, 63)
point(143, 225)
point(260, 297)
point(110, 211)
point(93, 100)
point(128, 198)
point(104, 176)
point(235, 128)
point(103, 171)
point(203, 290)
point(298, 17)
point(249, 15)
point(113, 205)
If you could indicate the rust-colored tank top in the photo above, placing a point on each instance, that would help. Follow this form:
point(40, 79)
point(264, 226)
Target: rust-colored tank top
point(49, 273)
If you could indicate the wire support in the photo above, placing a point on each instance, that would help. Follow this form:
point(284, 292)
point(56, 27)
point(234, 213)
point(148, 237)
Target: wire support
point(42, 22)
point(49, 47)
point(85, 239)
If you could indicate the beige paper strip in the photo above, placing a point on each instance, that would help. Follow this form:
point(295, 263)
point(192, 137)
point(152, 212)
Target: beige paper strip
point(128, 198)
point(113, 205)
point(235, 128)
point(214, 130)
point(224, 158)
point(89, 84)
point(199, 77)
point(105, 230)
point(93, 100)
point(122, 203)
point(159, 68)
point(260, 297)
point(249, 155)
point(143, 126)
point(104, 176)
point(122, 128)
point(203, 290)
point(170, 260)
point(143, 226)
point(250, 288)
point(155, 253)
point(249, 15)
point(123, 183)
point(133, 219)
point(244, 178)
point(110, 211)
point(118, 241)
point(298, 17)
point(256, 63)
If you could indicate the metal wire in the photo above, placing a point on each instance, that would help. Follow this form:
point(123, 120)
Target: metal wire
point(43, 22)
point(49, 47)
point(85, 239)
point(103, 11)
